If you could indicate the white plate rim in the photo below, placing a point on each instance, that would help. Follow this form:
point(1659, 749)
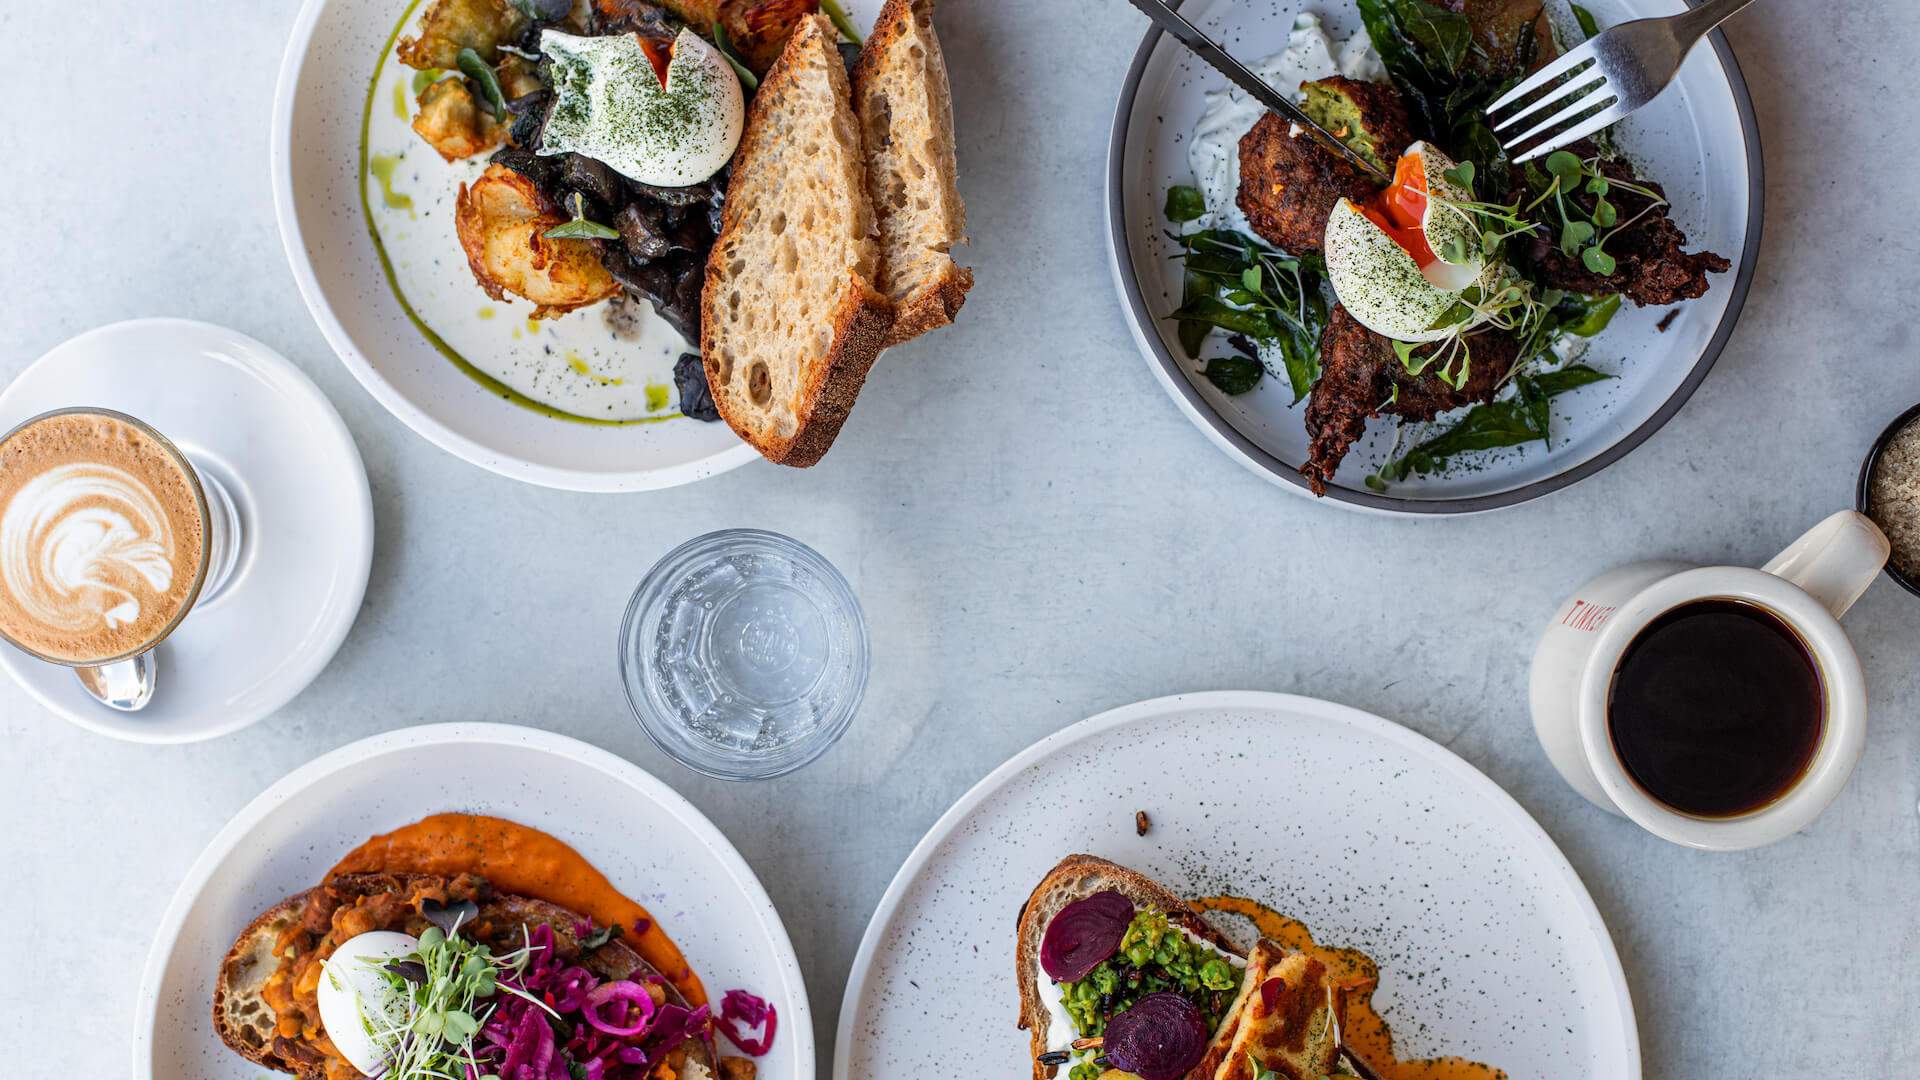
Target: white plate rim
point(797, 1017)
point(1242, 700)
point(280, 163)
point(1222, 434)
point(126, 726)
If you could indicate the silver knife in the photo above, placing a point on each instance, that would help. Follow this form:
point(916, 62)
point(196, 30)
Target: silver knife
point(1237, 73)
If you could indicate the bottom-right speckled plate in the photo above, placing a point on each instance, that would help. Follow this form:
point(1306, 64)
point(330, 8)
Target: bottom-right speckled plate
point(1375, 837)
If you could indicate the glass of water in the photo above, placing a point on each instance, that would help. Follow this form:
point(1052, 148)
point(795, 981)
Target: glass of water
point(744, 654)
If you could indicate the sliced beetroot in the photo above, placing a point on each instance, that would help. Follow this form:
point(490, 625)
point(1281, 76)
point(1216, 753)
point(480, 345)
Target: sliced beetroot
point(1084, 933)
point(1161, 1037)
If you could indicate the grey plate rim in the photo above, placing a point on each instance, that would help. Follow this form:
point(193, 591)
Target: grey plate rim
point(1169, 372)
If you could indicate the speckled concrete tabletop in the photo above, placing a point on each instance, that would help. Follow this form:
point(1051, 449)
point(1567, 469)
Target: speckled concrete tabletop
point(1036, 532)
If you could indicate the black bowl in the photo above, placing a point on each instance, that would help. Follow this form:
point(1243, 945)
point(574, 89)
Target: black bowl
point(1900, 423)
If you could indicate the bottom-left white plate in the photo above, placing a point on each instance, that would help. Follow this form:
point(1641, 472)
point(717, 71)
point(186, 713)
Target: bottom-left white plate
point(651, 843)
point(299, 486)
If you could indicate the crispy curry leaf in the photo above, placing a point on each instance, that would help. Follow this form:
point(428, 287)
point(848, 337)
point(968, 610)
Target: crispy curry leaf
point(1233, 375)
point(1514, 421)
point(483, 77)
point(1571, 377)
point(1588, 24)
point(1444, 36)
point(1598, 314)
point(1185, 203)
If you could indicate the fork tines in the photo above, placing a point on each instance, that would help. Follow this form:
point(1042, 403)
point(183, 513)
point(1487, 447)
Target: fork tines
point(1574, 84)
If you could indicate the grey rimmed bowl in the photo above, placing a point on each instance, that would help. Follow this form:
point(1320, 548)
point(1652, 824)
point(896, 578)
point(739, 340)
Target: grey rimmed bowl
point(1700, 140)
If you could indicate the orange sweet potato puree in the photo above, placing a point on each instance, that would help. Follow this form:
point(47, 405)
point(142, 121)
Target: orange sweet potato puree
point(523, 861)
point(1365, 1030)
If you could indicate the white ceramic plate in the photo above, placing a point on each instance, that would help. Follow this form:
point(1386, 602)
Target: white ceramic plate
point(1699, 139)
point(653, 845)
point(301, 490)
point(1374, 836)
point(316, 149)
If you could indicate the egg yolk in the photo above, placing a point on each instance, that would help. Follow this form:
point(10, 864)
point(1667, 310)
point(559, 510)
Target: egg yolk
point(1400, 210)
point(659, 53)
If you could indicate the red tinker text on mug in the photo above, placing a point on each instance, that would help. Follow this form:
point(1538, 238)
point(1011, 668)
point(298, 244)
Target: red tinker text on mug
point(1587, 616)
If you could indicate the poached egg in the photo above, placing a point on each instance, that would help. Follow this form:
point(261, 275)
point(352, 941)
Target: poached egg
point(1383, 257)
point(356, 999)
point(670, 117)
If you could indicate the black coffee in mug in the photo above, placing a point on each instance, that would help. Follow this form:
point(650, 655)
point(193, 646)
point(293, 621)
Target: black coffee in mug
point(1716, 708)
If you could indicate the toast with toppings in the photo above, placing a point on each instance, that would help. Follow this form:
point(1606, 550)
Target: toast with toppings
point(264, 1004)
point(1278, 1013)
point(901, 93)
point(791, 313)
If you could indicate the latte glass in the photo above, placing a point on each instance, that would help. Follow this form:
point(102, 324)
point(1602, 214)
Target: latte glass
point(744, 654)
point(124, 678)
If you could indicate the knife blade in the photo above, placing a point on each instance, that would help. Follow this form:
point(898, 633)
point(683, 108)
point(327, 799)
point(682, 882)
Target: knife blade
point(1239, 75)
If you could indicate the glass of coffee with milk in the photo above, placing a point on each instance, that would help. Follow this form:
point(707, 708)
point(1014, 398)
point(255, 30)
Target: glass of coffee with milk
point(109, 538)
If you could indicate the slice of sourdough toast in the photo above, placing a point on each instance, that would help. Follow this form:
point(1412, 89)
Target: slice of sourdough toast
point(1279, 1015)
point(245, 1019)
point(1076, 878)
point(901, 93)
point(791, 314)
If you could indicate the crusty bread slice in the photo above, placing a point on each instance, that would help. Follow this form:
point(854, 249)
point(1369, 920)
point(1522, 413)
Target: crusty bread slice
point(241, 1018)
point(246, 1023)
point(791, 316)
point(1076, 878)
point(906, 118)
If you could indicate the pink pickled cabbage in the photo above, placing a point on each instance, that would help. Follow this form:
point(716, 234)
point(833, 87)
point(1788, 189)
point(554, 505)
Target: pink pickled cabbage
point(741, 1014)
point(615, 1030)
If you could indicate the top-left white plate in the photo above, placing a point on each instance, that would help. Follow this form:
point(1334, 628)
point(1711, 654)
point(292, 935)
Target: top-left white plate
point(651, 843)
point(302, 494)
point(323, 95)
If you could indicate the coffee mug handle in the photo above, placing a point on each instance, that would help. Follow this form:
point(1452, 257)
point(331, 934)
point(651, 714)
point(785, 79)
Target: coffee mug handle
point(1835, 561)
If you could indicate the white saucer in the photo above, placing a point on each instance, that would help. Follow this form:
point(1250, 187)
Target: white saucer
point(293, 470)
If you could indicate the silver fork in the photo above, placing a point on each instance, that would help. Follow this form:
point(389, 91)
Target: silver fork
point(1616, 71)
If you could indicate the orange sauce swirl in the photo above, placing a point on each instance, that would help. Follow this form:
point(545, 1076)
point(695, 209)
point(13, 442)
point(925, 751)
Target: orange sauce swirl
point(1365, 1030)
point(524, 861)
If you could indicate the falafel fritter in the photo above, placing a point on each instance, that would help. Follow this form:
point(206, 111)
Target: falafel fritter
point(1359, 374)
point(1651, 264)
point(1289, 185)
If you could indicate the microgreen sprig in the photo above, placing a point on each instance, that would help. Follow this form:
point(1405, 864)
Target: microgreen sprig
point(1584, 233)
point(580, 228)
point(445, 991)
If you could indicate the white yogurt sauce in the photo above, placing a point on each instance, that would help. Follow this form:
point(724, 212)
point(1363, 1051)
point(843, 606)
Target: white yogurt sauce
point(1060, 1030)
point(1213, 152)
point(576, 363)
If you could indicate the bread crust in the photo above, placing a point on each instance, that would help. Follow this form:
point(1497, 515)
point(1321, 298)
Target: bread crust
point(931, 305)
point(861, 317)
point(1075, 877)
point(860, 328)
point(933, 308)
point(253, 945)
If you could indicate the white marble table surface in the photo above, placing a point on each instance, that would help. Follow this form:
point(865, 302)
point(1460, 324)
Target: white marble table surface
point(1036, 532)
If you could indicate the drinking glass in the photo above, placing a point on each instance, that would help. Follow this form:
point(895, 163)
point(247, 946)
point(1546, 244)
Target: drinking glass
point(744, 654)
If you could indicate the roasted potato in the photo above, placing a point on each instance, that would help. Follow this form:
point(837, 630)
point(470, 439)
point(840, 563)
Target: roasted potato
point(452, 25)
point(757, 29)
point(454, 124)
point(518, 76)
point(500, 220)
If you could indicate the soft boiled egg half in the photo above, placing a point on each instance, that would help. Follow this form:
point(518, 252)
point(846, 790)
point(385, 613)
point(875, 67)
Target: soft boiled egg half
point(357, 1000)
point(664, 115)
point(1383, 260)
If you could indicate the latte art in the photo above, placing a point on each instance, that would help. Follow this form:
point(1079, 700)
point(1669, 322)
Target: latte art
point(82, 545)
point(103, 537)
